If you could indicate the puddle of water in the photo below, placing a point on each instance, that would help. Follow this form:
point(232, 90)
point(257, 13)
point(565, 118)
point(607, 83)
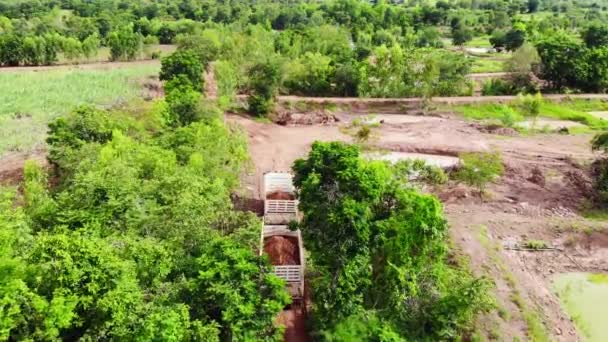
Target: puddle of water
point(600, 115)
point(551, 124)
point(397, 118)
point(429, 159)
point(585, 297)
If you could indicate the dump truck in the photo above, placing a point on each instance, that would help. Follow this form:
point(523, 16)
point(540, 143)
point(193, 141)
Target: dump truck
point(280, 204)
point(283, 246)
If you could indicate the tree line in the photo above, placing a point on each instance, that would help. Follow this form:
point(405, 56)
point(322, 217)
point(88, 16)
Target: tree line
point(332, 48)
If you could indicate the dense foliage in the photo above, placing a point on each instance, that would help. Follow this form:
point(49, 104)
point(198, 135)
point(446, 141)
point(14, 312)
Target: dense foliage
point(135, 238)
point(379, 249)
point(329, 48)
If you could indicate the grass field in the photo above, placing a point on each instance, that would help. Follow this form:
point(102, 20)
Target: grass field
point(575, 110)
point(487, 65)
point(29, 99)
point(483, 41)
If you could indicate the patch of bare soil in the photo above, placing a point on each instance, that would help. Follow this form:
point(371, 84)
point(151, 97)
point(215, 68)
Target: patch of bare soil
point(444, 137)
point(275, 147)
point(294, 320)
point(152, 88)
point(11, 165)
point(210, 84)
point(317, 117)
point(282, 250)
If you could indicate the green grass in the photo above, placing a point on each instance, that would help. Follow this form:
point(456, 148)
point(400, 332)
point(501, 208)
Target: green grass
point(566, 110)
point(483, 41)
point(487, 65)
point(29, 100)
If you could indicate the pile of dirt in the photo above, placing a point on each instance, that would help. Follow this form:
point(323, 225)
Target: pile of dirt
point(321, 117)
point(280, 195)
point(282, 250)
point(496, 129)
point(537, 177)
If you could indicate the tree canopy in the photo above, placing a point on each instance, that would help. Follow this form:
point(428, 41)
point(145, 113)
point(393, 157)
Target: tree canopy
point(379, 251)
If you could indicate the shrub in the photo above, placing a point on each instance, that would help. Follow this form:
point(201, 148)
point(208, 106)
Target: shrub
point(530, 105)
point(536, 244)
point(479, 169)
point(420, 172)
point(599, 174)
point(497, 86)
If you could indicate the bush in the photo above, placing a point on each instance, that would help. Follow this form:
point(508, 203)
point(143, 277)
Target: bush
point(419, 172)
point(599, 174)
point(530, 105)
point(479, 169)
point(185, 65)
point(536, 244)
point(125, 44)
point(264, 80)
point(497, 86)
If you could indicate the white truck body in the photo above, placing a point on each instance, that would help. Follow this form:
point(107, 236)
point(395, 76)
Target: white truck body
point(279, 211)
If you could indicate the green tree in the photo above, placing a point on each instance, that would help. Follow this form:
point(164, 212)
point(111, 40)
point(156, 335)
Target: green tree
point(514, 38)
point(184, 102)
point(11, 49)
point(596, 35)
point(264, 78)
point(72, 48)
point(226, 79)
point(183, 64)
point(34, 50)
point(561, 60)
point(461, 35)
point(531, 105)
point(125, 44)
point(498, 39)
point(374, 241)
point(206, 45)
point(311, 74)
point(90, 46)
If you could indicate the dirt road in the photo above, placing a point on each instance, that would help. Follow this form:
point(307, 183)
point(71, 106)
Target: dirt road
point(520, 207)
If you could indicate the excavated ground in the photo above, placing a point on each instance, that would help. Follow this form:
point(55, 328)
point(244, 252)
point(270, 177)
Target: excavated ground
point(539, 197)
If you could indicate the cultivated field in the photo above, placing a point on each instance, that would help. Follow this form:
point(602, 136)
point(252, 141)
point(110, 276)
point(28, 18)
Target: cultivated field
point(30, 97)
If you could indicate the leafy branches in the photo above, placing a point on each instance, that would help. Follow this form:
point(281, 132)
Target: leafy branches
point(379, 249)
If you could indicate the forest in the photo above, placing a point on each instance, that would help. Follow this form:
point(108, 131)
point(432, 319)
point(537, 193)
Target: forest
point(329, 48)
point(131, 231)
